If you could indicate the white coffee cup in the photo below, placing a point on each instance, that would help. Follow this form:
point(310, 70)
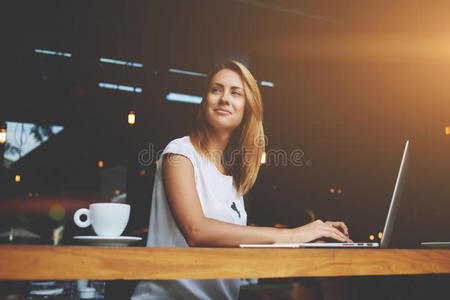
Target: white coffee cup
point(107, 219)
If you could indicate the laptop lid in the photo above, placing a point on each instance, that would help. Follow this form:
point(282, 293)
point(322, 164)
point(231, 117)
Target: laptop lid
point(395, 201)
point(388, 226)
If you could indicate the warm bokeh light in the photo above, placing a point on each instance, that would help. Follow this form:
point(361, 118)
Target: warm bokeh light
point(380, 235)
point(263, 158)
point(157, 162)
point(57, 212)
point(142, 172)
point(30, 194)
point(371, 237)
point(131, 117)
point(447, 130)
point(17, 178)
point(375, 47)
point(116, 192)
point(100, 163)
point(2, 136)
point(339, 191)
point(332, 191)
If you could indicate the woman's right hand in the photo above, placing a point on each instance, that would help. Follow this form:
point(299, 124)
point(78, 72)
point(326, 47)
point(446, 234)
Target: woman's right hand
point(318, 230)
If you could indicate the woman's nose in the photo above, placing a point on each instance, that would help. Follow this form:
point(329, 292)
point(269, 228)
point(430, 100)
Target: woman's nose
point(225, 97)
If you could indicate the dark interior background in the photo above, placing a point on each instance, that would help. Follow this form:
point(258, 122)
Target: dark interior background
point(353, 80)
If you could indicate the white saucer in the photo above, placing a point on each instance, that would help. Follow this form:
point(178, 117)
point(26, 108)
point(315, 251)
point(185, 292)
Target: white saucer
point(119, 241)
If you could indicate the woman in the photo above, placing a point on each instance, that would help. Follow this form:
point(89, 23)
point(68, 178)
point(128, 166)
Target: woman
point(197, 197)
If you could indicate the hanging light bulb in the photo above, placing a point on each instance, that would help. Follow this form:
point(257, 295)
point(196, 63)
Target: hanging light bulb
point(263, 158)
point(3, 133)
point(17, 178)
point(447, 130)
point(131, 117)
point(2, 136)
point(100, 163)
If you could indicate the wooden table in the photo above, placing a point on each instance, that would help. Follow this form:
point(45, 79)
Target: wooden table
point(108, 263)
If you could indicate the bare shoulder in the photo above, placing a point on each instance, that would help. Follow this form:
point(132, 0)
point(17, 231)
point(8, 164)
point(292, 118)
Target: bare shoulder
point(171, 160)
point(177, 167)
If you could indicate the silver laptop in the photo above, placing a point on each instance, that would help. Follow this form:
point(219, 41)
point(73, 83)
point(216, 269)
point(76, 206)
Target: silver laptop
point(388, 226)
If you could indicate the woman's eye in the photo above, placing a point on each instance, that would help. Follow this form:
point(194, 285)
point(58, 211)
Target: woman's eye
point(236, 93)
point(215, 90)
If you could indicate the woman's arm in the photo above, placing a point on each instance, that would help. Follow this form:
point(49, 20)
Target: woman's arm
point(198, 230)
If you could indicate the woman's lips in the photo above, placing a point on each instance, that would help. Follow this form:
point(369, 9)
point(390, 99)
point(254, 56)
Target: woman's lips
point(222, 111)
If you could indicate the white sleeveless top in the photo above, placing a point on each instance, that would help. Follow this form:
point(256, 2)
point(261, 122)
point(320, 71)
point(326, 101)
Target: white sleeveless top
point(217, 195)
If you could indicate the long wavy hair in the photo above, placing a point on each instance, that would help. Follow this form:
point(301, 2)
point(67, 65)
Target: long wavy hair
point(242, 156)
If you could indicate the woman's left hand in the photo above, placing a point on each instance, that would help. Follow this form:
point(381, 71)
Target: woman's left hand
point(339, 226)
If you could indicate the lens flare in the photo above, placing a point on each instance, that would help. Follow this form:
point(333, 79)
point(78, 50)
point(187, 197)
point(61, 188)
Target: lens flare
point(57, 212)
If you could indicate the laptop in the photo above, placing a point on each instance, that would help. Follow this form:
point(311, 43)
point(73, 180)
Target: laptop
point(388, 226)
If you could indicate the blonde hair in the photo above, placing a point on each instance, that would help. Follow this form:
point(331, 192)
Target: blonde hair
point(243, 153)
